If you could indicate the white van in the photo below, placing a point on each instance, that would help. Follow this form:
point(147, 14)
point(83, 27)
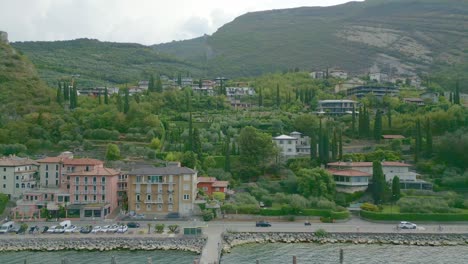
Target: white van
point(7, 227)
point(65, 223)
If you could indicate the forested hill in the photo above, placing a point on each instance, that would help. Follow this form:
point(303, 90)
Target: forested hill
point(395, 35)
point(100, 63)
point(21, 89)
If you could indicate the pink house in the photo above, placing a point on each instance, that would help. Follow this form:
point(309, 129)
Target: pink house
point(211, 184)
point(94, 191)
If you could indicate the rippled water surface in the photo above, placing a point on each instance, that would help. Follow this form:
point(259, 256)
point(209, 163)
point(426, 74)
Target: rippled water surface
point(121, 257)
point(355, 254)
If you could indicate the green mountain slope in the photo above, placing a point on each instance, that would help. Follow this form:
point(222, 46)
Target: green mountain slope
point(100, 63)
point(396, 36)
point(21, 89)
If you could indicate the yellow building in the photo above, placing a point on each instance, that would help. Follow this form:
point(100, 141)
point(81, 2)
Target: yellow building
point(162, 190)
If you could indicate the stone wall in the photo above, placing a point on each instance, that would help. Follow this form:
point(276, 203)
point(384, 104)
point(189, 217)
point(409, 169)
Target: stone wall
point(3, 37)
point(28, 243)
point(235, 239)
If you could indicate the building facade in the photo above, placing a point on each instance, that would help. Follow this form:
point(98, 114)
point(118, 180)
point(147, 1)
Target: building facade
point(378, 91)
point(162, 190)
point(17, 175)
point(211, 184)
point(336, 107)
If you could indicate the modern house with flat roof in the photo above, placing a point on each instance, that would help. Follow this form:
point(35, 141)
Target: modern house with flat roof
point(350, 181)
point(336, 107)
point(378, 91)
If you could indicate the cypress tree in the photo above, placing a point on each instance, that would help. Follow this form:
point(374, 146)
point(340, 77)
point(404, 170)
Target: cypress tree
point(151, 86)
point(451, 97)
point(126, 106)
point(456, 98)
point(389, 117)
point(158, 86)
point(326, 148)
point(227, 157)
point(361, 123)
point(179, 79)
point(417, 141)
point(190, 133)
point(353, 121)
point(378, 183)
point(200, 83)
point(313, 147)
point(66, 92)
point(396, 189)
point(59, 95)
point(340, 145)
point(106, 96)
point(334, 145)
point(378, 126)
point(428, 138)
point(99, 98)
point(278, 101)
point(119, 102)
point(260, 97)
point(197, 143)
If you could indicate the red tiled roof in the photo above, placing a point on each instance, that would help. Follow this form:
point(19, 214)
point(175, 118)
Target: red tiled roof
point(220, 184)
point(16, 161)
point(96, 172)
point(84, 161)
point(367, 164)
point(206, 179)
point(349, 173)
point(393, 137)
point(51, 160)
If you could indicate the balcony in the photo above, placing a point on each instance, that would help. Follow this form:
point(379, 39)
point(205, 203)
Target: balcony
point(153, 202)
point(170, 191)
point(122, 180)
point(122, 188)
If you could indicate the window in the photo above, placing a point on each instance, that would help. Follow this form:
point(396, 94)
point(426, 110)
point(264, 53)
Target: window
point(87, 168)
point(103, 198)
point(94, 188)
point(137, 207)
point(205, 188)
point(22, 186)
point(56, 174)
point(155, 179)
point(56, 182)
point(186, 187)
point(59, 198)
point(148, 207)
point(86, 188)
point(103, 179)
point(186, 196)
point(186, 177)
point(56, 167)
point(46, 167)
point(289, 142)
point(170, 178)
point(86, 180)
point(138, 197)
point(159, 207)
point(169, 208)
point(68, 186)
point(138, 179)
point(103, 188)
point(17, 177)
point(47, 183)
point(4, 169)
point(47, 174)
point(94, 197)
point(170, 199)
point(77, 188)
point(4, 177)
point(148, 197)
point(35, 198)
point(94, 180)
point(77, 198)
point(77, 180)
point(86, 197)
point(4, 186)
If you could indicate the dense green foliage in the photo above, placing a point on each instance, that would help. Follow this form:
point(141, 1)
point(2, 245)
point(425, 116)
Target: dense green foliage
point(414, 216)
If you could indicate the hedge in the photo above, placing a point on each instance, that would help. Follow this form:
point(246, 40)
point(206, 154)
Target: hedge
point(307, 212)
point(414, 216)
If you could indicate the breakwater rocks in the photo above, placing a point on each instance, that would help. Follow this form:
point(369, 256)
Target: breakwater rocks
point(194, 244)
point(235, 239)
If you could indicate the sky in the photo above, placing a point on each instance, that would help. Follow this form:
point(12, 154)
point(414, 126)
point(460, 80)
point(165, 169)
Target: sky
point(137, 21)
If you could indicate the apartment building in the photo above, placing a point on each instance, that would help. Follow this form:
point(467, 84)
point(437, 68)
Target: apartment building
point(17, 175)
point(162, 190)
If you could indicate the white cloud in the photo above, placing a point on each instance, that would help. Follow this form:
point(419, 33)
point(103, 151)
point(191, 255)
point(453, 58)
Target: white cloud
point(141, 21)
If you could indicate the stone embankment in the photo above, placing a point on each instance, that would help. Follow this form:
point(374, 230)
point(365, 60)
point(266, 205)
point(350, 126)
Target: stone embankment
point(234, 239)
point(194, 244)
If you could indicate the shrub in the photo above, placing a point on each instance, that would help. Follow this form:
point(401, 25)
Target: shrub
point(173, 228)
point(321, 233)
point(159, 228)
point(369, 207)
point(219, 196)
point(326, 220)
point(207, 215)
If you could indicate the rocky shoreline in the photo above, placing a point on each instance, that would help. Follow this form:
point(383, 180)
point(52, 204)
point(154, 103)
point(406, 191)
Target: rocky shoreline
point(194, 244)
point(235, 239)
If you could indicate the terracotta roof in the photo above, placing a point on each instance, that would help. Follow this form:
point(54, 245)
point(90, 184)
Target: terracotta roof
point(349, 173)
point(51, 160)
point(220, 184)
point(393, 137)
point(367, 164)
point(206, 179)
point(16, 161)
point(96, 172)
point(84, 161)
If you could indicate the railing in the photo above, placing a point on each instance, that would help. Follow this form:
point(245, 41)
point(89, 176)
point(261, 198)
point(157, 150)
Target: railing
point(153, 202)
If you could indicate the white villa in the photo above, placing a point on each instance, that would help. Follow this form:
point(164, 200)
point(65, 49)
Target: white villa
point(354, 176)
point(293, 145)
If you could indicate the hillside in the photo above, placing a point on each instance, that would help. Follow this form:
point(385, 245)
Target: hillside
point(21, 89)
point(394, 36)
point(100, 63)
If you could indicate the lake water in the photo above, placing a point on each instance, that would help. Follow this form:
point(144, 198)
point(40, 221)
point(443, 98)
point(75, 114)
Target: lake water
point(265, 253)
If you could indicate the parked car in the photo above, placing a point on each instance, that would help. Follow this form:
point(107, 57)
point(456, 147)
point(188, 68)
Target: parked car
point(59, 229)
point(139, 216)
point(51, 229)
point(104, 229)
point(96, 229)
point(33, 230)
point(112, 228)
point(133, 225)
point(86, 229)
point(407, 225)
point(307, 223)
point(44, 230)
point(262, 224)
point(71, 229)
point(122, 229)
point(7, 227)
